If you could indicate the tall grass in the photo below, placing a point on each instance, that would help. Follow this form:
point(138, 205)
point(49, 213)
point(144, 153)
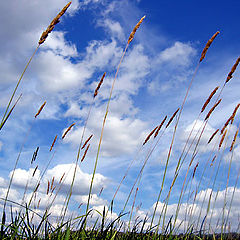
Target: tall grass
point(27, 222)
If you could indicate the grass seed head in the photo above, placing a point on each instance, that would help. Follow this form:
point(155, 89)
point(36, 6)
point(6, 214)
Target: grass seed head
point(61, 178)
point(213, 135)
point(160, 126)
point(149, 135)
point(232, 70)
point(209, 99)
point(36, 188)
point(234, 113)
point(207, 46)
point(135, 29)
point(69, 128)
point(48, 187)
point(195, 168)
point(222, 139)
point(212, 109)
point(40, 109)
point(170, 120)
point(54, 22)
point(35, 171)
point(85, 153)
point(52, 183)
point(53, 143)
point(99, 85)
point(226, 124)
point(234, 140)
point(213, 160)
point(87, 141)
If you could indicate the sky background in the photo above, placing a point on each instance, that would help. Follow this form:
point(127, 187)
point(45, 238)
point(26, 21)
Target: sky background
point(152, 82)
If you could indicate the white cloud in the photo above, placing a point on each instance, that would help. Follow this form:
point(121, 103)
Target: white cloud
point(94, 201)
point(179, 54)
point(186, 209)
point(178, 59)
point(82, 180)
point(57, 43)
point(57, 73)
point(2, 182)
point(196, 129)
point(121, 136)
point(114, 27)
point(88, 2)
point(234, 155)
point(23, 177)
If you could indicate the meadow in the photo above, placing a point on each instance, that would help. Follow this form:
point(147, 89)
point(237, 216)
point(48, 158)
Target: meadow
point(195, 214)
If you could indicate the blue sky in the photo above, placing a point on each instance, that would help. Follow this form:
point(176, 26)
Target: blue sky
point(152, 82)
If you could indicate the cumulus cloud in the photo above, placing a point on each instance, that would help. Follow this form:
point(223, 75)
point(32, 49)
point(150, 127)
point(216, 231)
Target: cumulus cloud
point(25, 177)
point(179, 54)
point(82, 180)
point(178, 59)
point(121, 136)
point(233, 156)
point(189, 213)
point(196, 128)
point(94, 201)
point(54, 198)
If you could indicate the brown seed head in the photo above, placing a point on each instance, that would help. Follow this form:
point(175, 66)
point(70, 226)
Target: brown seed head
point(226, 124)
point(209, 99)
point(35, 190)
point(52, 183)
point(69, 128)
point(234, 140)
point(53, 189)
point(170, 120)
point(61, 178)
point(234, 113)
point(48, 187)
point(135, 29)
point(40, 109)
point(208, 45)
point(212, 109)
point(52, 24)
point(213, 160)
point(99, 85)
point(195, 168)
point(39, 203)
point(232, 70)
point(158, 129)
point(35, 170)
point(222, 139)
point(86, 141)
point(213, 135)
point(84, 155)
point(149, 135)
point(53, 143)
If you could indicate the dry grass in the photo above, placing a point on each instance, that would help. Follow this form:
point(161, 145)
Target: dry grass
point(209, 99)
point(212, 109)
point(40, 109)
point(54, 22)
point(68, 129)
point(135, 29)
point(207, 46)
point(232, 70)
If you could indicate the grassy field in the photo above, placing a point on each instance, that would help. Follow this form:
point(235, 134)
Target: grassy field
point(24, 220)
